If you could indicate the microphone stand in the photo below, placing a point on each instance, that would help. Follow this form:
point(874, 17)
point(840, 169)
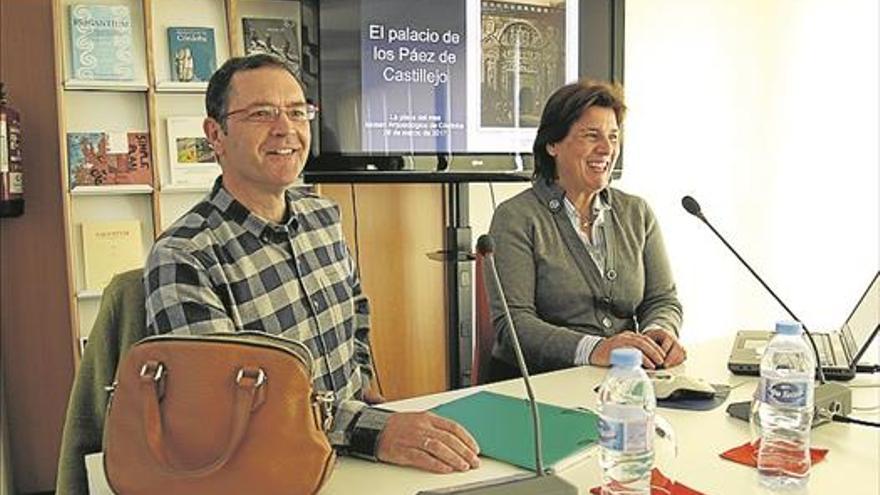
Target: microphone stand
point(829, 398)
point(541, 482)
point(699, 214)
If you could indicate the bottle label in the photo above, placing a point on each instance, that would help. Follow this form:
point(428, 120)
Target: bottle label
point(633, 435)
point(786, 393)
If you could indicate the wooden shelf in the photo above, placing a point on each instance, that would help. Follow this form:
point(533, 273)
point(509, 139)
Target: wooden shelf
point(89, 294)
point(111, 190)
point(122, 86)
point(181, 87)
point(186, 188)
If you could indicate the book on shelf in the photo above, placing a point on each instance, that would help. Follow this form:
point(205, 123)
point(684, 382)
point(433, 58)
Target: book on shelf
point(276, 36)
point(110, 247)
point(192, 53)
point(190, 156)
point(106, 158)
point(101, 42)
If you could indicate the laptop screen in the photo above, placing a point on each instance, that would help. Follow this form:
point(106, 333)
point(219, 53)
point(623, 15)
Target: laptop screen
point(865, 317)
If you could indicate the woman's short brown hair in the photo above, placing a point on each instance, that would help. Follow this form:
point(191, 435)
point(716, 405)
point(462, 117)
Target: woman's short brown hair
point(562, 110)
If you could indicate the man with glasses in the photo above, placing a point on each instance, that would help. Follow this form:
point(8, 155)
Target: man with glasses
point(258, 255)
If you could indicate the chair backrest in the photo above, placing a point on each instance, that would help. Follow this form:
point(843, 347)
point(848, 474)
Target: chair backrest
point(121, 321)
point(484, 330)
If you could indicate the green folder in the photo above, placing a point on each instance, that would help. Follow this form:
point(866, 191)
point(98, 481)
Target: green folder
point(502, 426)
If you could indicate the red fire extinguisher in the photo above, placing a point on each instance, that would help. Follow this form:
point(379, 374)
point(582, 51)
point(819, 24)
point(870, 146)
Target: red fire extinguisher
point(11, 177)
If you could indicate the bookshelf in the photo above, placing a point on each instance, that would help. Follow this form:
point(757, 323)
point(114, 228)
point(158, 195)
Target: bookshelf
point(142, 103)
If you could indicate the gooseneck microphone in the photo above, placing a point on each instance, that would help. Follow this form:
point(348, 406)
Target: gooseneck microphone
point(830, 398)
point(690, 204)
point(541, 482)
point(486, 248)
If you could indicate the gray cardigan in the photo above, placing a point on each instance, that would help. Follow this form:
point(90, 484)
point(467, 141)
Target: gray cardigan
point(556, 293)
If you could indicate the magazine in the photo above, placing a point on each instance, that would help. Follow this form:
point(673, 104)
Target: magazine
point(106, 158)
point(101, 42)
point(192, 53)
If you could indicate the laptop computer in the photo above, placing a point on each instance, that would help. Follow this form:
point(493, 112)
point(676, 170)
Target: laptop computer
point(839, 351)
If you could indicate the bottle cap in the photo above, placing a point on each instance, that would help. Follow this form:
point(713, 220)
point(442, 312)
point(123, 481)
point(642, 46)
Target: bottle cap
point(628, 357)
point(789, 327)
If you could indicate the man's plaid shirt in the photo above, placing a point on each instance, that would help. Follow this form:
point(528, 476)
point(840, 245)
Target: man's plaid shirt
point(220, 268)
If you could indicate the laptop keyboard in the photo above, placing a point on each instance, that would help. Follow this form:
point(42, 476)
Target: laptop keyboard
point(826, 350)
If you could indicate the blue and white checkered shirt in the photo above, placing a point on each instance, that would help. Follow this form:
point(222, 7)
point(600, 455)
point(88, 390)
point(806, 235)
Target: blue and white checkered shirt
point(220, 268)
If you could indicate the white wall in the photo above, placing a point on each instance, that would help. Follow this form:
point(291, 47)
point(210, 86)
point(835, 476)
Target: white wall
point(766, 111)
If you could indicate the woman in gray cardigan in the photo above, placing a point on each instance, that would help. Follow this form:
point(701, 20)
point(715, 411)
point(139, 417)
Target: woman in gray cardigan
point(582, 264)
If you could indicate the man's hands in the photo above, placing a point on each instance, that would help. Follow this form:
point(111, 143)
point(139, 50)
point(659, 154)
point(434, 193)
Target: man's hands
point(659, 348)
point(427, 441)
point(372, 396)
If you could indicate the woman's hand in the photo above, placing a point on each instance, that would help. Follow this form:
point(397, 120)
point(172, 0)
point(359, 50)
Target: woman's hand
point(672, 349)
point(652, 353)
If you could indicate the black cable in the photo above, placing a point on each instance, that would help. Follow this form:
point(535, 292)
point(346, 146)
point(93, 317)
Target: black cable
point(846, 419)
point(868, 368)
point(492, 194)
point(357, 261)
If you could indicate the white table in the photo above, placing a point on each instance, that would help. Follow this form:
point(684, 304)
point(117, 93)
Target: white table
point(852, 465)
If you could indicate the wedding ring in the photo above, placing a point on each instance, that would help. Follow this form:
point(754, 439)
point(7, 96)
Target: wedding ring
point(425, 443)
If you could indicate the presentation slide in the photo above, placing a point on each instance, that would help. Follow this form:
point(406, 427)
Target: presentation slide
point(444, 77)
point(413, 76)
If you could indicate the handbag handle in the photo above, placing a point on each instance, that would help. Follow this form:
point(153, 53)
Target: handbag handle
point(248, 381)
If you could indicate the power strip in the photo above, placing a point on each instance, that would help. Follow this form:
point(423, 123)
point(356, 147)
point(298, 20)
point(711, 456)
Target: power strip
point(829, 399)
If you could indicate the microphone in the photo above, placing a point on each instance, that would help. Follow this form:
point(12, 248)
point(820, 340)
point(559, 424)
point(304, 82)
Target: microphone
point(829, 397)
point(690, 204)
point(540, 482)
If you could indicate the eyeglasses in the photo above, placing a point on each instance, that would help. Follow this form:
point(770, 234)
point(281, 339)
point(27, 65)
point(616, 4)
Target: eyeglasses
point(267, 114)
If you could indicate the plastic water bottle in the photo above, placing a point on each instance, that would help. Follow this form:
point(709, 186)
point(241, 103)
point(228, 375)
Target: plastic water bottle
point(626, 425)
point(785, 409)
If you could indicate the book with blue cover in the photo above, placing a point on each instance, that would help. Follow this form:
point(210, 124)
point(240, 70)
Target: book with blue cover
point(101, 42)
point(502, 426)
point(192, 53)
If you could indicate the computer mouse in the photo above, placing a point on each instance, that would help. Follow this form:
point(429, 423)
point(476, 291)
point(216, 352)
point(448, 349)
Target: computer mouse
point(681, 387)
point(688, 394)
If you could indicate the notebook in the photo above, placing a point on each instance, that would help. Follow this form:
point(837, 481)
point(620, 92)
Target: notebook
point(502, 426)
point(839, 351)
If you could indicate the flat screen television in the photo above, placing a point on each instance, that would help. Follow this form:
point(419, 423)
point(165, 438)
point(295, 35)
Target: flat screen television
point(437, 90)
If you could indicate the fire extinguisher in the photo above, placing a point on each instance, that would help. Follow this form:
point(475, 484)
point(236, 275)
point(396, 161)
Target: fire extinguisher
point(11, 177)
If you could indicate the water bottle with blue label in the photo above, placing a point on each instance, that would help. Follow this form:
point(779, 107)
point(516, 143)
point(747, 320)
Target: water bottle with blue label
point(785, 409)
point(626, 425)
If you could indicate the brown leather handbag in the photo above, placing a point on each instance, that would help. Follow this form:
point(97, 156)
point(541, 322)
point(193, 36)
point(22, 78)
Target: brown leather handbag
point(217, 414)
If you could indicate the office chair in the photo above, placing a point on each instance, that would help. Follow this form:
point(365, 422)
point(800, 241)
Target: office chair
point(121, 322)
point(484, 330)
point(485, 368)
